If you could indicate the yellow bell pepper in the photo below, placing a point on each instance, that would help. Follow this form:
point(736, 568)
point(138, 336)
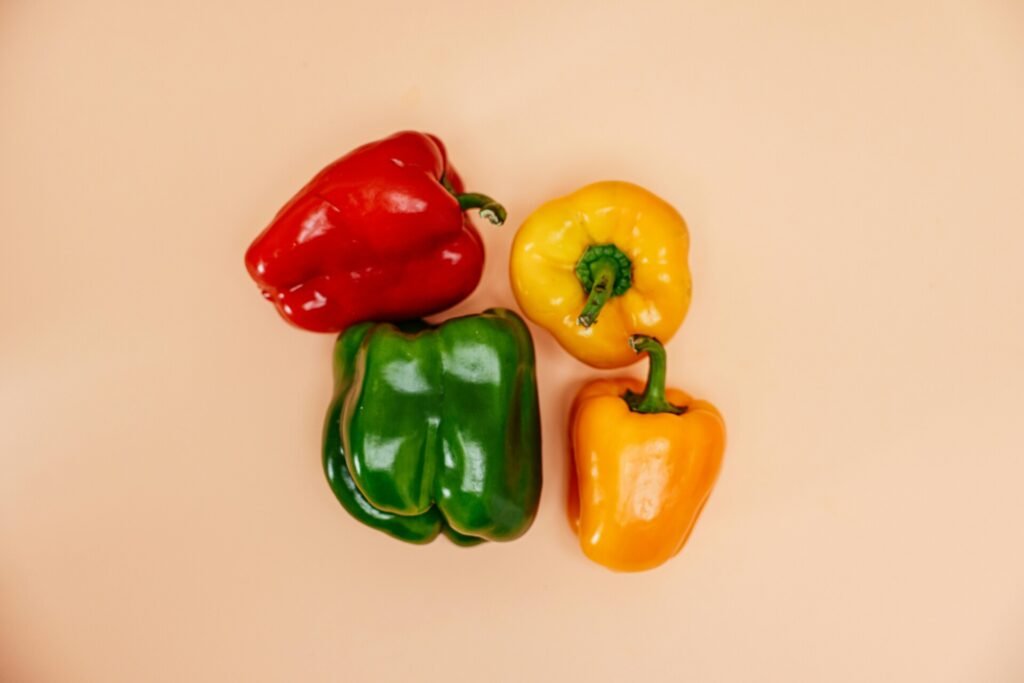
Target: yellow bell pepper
point(601, 264)
point(645, 461)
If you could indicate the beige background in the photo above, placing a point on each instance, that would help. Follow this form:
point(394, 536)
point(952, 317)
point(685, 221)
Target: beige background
point(852, 175)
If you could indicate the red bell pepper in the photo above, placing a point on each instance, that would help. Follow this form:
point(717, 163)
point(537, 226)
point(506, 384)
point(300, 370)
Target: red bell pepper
point(379, 234)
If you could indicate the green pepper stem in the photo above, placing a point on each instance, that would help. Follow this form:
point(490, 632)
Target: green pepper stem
point(489, 209)
point(604, 273)
point(653, 399)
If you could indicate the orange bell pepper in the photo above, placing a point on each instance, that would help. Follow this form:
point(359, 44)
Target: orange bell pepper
point(646, 460)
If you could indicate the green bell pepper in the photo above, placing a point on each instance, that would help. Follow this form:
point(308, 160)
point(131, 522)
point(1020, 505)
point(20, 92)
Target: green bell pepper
point(436, 429)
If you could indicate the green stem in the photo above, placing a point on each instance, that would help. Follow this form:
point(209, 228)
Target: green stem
point(653, 399)
point(604, 273)
point(489, 209)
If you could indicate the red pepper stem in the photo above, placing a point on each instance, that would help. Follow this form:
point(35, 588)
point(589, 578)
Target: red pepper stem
point(653, 399)
point(604, 272)
point(489, 209)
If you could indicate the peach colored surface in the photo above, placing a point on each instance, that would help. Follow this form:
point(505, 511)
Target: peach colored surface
point(852, 176)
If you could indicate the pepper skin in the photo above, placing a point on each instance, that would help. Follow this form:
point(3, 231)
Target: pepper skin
point(379, 234)
point(601, 264)
point(645, 460)
point(437, 429)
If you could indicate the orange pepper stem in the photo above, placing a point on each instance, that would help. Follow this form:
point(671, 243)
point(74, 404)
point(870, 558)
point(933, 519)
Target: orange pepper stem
point(653, 399)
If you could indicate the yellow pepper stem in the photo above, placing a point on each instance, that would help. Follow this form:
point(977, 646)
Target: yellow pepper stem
point(605, 271)
point(604, 285)
point(653, 399)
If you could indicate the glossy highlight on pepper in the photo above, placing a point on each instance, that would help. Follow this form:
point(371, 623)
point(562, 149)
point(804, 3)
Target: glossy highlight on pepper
point(380, 234)
point(644, 461)
point(436, 429)
point(601, 264)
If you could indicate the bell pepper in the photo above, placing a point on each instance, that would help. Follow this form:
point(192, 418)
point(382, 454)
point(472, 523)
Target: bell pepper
point(601, 264)
point(645, 460)
point(380, 234)
point(436, 428)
